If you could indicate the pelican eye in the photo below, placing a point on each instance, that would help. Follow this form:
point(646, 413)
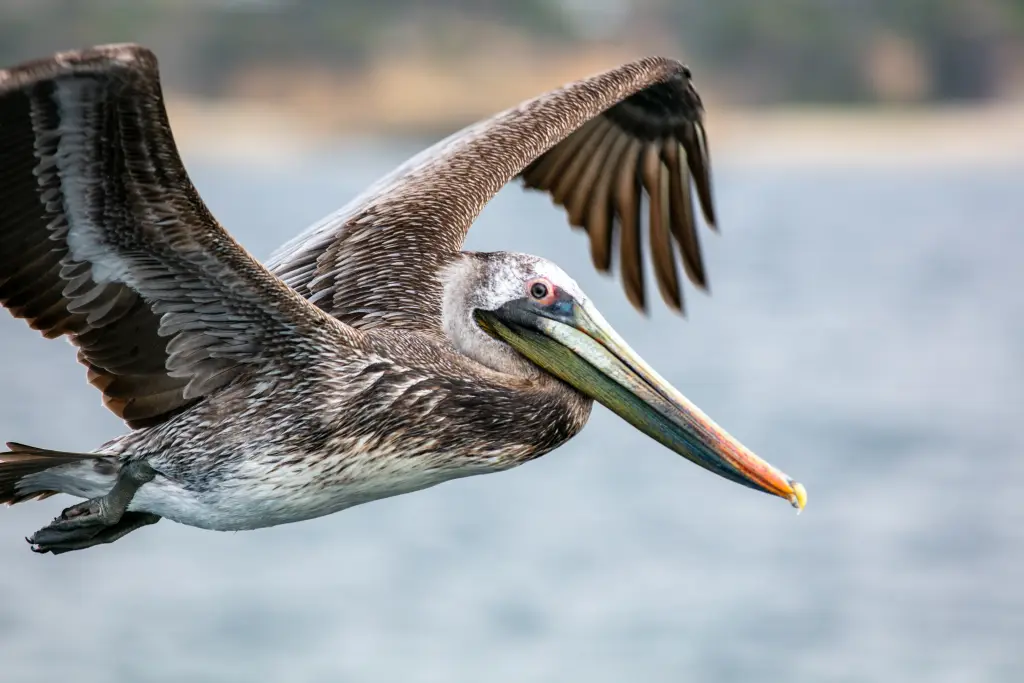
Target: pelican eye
point(538, 290)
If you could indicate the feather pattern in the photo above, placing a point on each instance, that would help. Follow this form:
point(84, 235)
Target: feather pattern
point(104, 239)
point(577, 142)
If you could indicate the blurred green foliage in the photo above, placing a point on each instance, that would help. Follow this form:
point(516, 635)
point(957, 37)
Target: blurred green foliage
point(817, 49)
point(772, 50)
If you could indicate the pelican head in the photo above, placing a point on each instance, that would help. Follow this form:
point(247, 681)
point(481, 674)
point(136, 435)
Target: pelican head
point(521, 313)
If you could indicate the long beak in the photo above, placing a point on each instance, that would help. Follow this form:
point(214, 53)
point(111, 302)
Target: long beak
point(583, 350)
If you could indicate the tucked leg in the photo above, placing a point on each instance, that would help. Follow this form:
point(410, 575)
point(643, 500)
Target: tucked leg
point(86, 523)
point(129, 522)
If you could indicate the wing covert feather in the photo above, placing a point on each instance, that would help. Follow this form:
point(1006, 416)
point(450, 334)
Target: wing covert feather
point(379, 261)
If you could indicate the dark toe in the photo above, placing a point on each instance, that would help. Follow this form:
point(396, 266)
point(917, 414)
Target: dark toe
point(52, 535)
point(83, 521)
point(59, 548)
point(59, 538)
point(87, 508)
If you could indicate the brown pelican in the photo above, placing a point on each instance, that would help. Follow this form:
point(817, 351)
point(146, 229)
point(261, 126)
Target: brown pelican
point(372, 356)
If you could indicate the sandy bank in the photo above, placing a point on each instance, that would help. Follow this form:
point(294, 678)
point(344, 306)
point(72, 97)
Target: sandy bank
point(259, 131)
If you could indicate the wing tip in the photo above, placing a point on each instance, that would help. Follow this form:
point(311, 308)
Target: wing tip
point(697, 274)
point(711, 217)
point(96, 59)
point(669, 65)
point(635, 293)
point(122, 53)
point(675, 304)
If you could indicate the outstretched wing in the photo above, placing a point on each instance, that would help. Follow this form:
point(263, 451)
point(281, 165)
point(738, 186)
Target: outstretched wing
point(104, 239)
point(598, 146)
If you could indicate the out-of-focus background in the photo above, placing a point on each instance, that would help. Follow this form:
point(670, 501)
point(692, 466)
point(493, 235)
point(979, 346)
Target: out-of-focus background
point(424, 67)
point(865, 334)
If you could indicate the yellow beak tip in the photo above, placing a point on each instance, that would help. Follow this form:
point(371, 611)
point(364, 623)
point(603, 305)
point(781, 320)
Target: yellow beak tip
point(799, 497)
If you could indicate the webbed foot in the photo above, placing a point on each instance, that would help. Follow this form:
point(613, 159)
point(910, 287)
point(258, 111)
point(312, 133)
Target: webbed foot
point(64, 535)
point(103, 519)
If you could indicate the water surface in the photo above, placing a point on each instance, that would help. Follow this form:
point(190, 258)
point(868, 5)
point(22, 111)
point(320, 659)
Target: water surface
point(864, 334)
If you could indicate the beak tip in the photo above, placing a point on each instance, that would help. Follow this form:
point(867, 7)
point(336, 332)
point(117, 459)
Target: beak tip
point(798, 498)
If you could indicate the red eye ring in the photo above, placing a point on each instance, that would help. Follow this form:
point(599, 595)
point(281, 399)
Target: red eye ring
point(541, 290)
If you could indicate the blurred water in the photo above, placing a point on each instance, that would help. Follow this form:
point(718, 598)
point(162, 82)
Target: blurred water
point(865, 334)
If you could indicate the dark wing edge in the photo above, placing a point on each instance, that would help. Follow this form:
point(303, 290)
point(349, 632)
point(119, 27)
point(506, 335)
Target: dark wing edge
point(104, 239)
point(651, 146)
point(379, 260)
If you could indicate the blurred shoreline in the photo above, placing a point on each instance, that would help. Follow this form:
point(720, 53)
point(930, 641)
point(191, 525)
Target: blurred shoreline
point(259, 130)
point(908, 82)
